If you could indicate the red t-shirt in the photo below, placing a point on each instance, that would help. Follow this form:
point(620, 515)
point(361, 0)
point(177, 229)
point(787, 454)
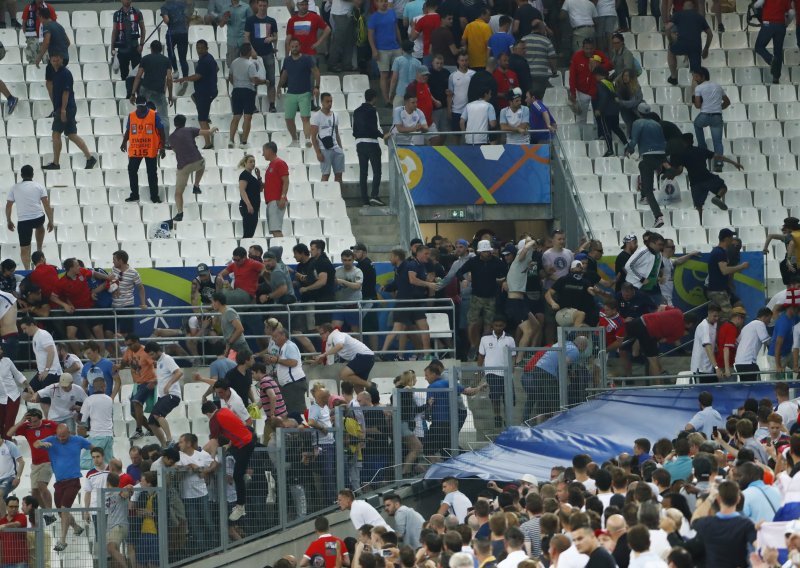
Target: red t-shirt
point(666, 325)
point(305, 30)
point(226, 423)
point(775, 12)
point(14, 545)
point(273, 179)
point(325, 547)
point(246, 275)
point(45, 429)
point(505, 82)
point(425, 25)
point(424, 98)
point(45, 276)
point(531, 364)
point(126, 480)
point(77, 291)
point(615, 327)
point(726, 336)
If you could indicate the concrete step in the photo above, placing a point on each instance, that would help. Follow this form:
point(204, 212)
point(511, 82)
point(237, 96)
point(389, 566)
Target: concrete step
point(351, 192)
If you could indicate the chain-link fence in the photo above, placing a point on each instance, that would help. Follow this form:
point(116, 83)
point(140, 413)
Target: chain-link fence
point(18, 546)
point(72, 541)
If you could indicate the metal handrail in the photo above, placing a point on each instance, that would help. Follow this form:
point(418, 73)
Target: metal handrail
point(400, 198)
point(569, 180)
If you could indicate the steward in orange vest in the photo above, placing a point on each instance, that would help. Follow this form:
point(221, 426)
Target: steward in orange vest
point(143, 140)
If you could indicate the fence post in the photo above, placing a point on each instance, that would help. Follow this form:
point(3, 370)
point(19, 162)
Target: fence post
point(102, 529)
point(509, 391)
point(163, 523)
point(341, 458)
point(283, 501)
point(222, 498)
point(397, 435)
point(563, 372)
point(40, 528)
point(452, 399)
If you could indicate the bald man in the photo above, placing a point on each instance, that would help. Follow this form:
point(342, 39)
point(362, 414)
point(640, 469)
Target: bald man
point(618, 531)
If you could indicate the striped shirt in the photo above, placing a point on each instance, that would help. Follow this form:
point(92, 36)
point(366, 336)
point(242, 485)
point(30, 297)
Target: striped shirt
point(128, 280)
point(264, 385)
point(538, 51)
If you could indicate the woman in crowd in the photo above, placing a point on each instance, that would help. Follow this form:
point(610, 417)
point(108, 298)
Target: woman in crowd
point(250, 193)
point(629, 95)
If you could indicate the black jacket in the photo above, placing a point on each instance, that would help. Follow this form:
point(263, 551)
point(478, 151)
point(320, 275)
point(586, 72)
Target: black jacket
point(365, 122)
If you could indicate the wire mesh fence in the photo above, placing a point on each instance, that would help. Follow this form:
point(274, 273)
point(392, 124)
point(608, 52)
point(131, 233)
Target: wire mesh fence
point(17, 545)
point(69, 542)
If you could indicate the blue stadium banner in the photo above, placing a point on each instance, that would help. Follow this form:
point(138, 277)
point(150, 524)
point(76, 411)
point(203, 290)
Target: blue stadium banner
point(477, 175)
point(690, 279)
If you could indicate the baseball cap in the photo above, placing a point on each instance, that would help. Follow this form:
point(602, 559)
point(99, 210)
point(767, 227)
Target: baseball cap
point(484, 246)
point(725, 233)
point(424, 71)
point(415, 242)
point(463, 242)
point(630, 237)
point(202, 269)
point(643, 108)
point(509, 249)
point(530, 478)
point(702, 469)
point(65, 380)
point(738, 310)
point(141, 101)
point(514, 93)
point(581, 256)
point(359, 246)
point(575, 264)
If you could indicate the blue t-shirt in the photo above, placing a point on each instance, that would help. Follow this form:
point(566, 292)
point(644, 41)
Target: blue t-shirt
point(384, 28)
point(260, 30)
point(102, 369)
point(298, 74)
point(175, 10)
point(415, 266)
point(65, 458)
point(437, 390)
point(406, 67)
point(716, 280)
point(690, 25)
point(549, 361)
point(207, 69)
point(501, 42)
point(783, 328)
point(538, 109)
point(63, 82)
point(404, 289)
point(220, 367)
point(413, 9)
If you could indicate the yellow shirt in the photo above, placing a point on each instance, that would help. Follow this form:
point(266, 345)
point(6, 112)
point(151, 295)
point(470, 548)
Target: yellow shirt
point(477, 34)
point(149, 523)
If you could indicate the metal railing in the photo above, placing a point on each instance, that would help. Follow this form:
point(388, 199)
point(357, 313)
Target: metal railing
point(400, 198)
point(567, 202)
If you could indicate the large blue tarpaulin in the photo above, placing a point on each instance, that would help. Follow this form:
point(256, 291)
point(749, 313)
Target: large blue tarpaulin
point(603, 427)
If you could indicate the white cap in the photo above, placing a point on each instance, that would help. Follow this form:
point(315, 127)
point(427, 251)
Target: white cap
point(530, 478)
point(576, 263)
point(484, 246)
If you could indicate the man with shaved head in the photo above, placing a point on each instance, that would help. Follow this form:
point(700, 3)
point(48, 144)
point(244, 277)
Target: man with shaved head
point(618, 531)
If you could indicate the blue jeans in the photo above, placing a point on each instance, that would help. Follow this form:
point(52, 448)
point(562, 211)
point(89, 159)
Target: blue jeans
point(198, 521)
point(775, 33)
point(713, 121)
point(327, 469)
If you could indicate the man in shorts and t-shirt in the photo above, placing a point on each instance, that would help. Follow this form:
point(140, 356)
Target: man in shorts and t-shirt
point(326, 141)
point(296, 76)
point(65, 456)
point(32, 206)
point(276, 188)
point(261, 31)
point(244, 79)
point(47, 363)
point(144, 378)
point(65, 399)
point(359, 359)
point(168, 377)
point(33, 428)
point(188, 158)
point(384, 39)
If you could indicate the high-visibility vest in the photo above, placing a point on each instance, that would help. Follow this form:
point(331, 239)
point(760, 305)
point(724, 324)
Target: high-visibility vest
point(143, 138)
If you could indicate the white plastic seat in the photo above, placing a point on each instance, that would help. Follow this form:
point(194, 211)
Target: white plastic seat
point(222, 248)
point(60, 178)
point(760, 182)
point(201, 32)
point(650, 41)
point(782, 163)
point(607, 166)
point(155, 212)
point(744, 216)
point(332, 208)
point(782, 93)
point(63, 197)
point(100, 90)
point(101, 251)
point(93, 54)
point(788, 111)
point(743, 146)
point(88, 36)
point(70, 232)
point(96, 72)
point(19, 127)
point(103, 108)
point(192, 248)
point(164, 249)
point(684, 219)
point(734, 40)
point(355, 84)
point(773, 216)
point(96, 214)
point(84, 19)
point(761, 111)
point(107, 126)
point(77, 249)
point(748, 75)
point(739, 200)
point(754, 94)
point(219, 230)
point(739, 129)
point(100, 232)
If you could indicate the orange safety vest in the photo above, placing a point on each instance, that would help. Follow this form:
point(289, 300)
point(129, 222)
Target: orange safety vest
point(143, 139)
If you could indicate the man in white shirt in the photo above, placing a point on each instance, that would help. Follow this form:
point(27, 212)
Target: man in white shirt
point(230, 399)
point(361, 512)
point(454, 502)
point(319, 418)
point(98, 411)
point(32, 206)
point(407, 119)
point(168, 391)
point(515, 542)
point(65, 400)
point(478, 116)
point(12, 382)
point(707, 418)
point(582, 15)
point(458, 85)
point(752, 339)
point(198, 465)
point(47, 363)
point(493, 354)
point(711, 100)
point(705, 339)
point(326, 140)
point(289, 371)
point(11, 466)
point(359, 359)
point(786, 408)
point(515, 119)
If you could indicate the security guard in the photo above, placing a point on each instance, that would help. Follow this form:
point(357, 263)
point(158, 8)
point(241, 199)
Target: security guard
point(144, 138)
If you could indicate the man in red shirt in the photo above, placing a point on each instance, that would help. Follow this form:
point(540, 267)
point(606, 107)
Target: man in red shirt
point(246, 273)
point(425, 101)
point(614, 324)
point(582, 82)
point(44, 275)
point(506, 79)
point(224, 423)
point(276, 188)
point(327, 549)
point(668, 324)
point(774, 15)
point(32, 427)
point(304, 26)
point(13, 545)
point(727, 333)
point(73, 293)
point(425, 26)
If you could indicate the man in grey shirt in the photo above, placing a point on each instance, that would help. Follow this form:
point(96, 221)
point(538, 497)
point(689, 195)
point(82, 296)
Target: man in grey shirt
point(408, 523)
point(153, 78)
point(279, 279)
point(116, 503)
point(243, 76)
point(231, 324)
point(349, 279)
point(54, 40)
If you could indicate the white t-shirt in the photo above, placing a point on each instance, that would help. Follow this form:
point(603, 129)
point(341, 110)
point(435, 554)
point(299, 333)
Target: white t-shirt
point(606, 8)
point(93, 483)
point(61, 401)
point(322, 414)
point(28, 196)
point(705, 334)
point(522, 116)
point(458, 83)
point(352, 346)
point(362, 513)
point(493, 350)
point(11, 380)
point(236, 405)
point(99, 410)
point(571, 558)
point(712, 96)
point(459, 505)
point(70, 360)
point(7, 301)
point(286, 374)
point(327, 124)
point(9, 454)
point(788, 410)
point(41, 341)
point(581, 12)
point(751, 340)
point(401, 118)
point(165, 366)
point(193, 485)
point(341, 8)
point(476, 116)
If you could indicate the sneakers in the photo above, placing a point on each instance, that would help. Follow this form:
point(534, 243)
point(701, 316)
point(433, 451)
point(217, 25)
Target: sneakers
point(60, 547)
point(49, 519)
point(243, 145)
point(182, 89)
point(719, 203)
point(51, 166)
point(78, 530)
point(720, 28)
point(659, 223)
point(91, 162)
point(231, 145)
point(15, 24)
point(132, 199)
point(236, 513)
point(272, 108)
point(672, 81)
point(609, 154)
point(377, 202)
point(155, 199)
point(177, 218)
point(208, 146)
point(11, 104)
point(139, 434)
point(196, 190)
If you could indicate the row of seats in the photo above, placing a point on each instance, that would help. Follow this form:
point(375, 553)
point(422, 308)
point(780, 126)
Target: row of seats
point(766, 188)
point(769, 146)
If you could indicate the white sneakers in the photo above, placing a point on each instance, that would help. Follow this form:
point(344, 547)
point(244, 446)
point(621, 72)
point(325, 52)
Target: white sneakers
point(237, 513)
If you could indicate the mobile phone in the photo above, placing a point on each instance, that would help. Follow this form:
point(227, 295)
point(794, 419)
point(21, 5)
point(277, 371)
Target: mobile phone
point(386, 553)
point(714, 431)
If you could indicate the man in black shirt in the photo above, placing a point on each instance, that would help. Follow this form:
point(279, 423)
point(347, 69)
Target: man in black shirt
point(584, 540)
point(8, 282)
point(629, 245)
point(575, 297)
point(369, 291)
point(524, 19)
point(633, 304)
point(324, 288)
point(366, 128)
point(240, 378)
